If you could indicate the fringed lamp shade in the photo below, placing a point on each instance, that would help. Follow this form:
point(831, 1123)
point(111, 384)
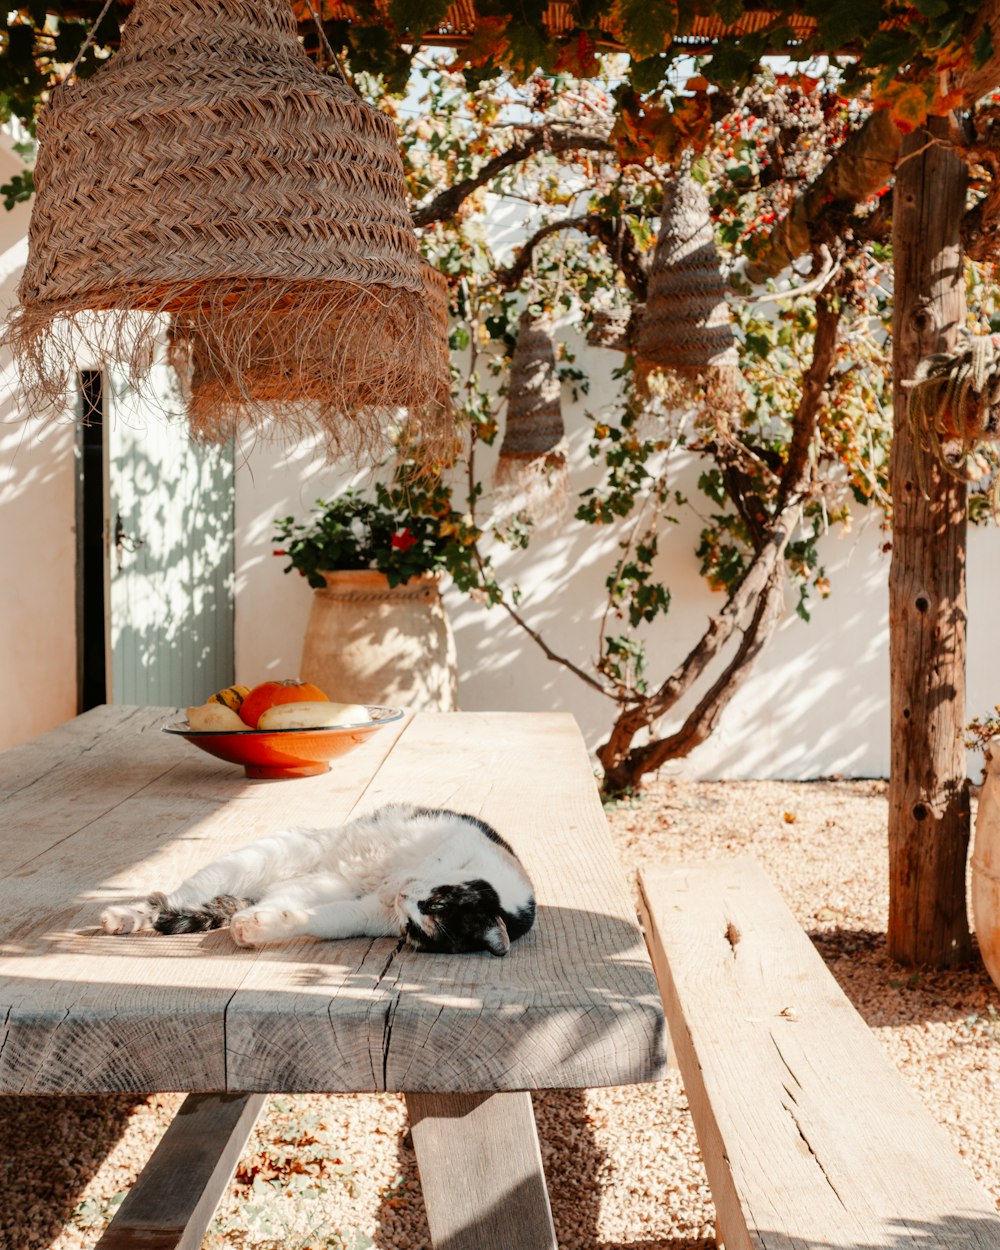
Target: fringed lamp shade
point(531, 470)
point(686, 328)
point(279, 370)
point(210, 171)
point(438, 302)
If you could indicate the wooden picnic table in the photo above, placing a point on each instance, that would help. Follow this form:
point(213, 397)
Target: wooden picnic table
point(108, 808)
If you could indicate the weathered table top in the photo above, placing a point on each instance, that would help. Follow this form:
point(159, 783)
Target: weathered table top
point(107, 807)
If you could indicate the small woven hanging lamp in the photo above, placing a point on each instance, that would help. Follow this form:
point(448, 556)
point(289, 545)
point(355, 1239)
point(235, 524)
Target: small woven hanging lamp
point(686, 328)
point(210, 171)
point(531, 470)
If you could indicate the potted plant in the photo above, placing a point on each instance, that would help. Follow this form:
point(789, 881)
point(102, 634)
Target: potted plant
point(378, 632)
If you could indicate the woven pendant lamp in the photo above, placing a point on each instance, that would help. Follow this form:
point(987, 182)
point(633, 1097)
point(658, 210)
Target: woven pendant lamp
point(210, 171)
point(531, 470)
point(686, 328)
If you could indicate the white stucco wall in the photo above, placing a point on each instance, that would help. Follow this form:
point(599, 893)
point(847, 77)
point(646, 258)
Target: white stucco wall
point(37, 535)
point(816, 704)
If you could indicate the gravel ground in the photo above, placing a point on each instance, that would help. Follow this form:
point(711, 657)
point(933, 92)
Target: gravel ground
point(336, 1173)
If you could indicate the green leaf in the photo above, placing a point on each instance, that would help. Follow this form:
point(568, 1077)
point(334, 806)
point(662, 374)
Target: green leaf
point(729, 11)
point(648, 26)
point(20, 188)
point(528, 50)
point(982, 49)
point(846, 22)
point(933, 8)
point(647, 74)
point(732, 64)
point(416, 17)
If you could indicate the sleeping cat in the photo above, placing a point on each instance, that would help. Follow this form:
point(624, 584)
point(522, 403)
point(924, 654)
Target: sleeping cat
point(444, 880)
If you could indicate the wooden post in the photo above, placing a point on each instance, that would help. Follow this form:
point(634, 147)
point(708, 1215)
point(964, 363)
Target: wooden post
point(928, 791)
point(481, 1172)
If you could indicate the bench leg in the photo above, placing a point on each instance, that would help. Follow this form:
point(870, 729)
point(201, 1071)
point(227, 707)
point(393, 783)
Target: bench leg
point(174, 1198)
point(481, 1171)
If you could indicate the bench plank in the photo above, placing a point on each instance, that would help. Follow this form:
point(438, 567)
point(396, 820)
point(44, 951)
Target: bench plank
point(175, 1196)
point(810, 1135)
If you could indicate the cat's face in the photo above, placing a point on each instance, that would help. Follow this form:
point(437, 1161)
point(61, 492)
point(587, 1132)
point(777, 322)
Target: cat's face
point(455, 918)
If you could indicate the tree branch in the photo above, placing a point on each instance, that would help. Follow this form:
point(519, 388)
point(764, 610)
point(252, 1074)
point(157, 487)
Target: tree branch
point(978, 82)
point(619, 244)
point(862, 165)
point(552, 655)
point(446, 203)
point(702, 721)
point(757, 595)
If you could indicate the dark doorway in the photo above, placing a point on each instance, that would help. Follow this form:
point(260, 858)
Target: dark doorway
point(91, 490)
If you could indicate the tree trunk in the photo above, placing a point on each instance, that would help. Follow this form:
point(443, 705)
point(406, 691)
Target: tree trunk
point(928, 791)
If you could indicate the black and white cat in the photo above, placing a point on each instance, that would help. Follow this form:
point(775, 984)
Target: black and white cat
point(445, 880)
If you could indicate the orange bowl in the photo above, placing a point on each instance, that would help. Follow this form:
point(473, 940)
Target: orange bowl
point(280, 753)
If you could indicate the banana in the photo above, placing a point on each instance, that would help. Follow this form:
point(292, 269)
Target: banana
point(231, 697)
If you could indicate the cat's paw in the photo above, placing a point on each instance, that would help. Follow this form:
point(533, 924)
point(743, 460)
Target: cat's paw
point(128, 919)
point(259, 925)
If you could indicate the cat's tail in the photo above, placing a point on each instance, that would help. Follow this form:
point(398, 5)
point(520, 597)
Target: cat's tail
point(198, 919)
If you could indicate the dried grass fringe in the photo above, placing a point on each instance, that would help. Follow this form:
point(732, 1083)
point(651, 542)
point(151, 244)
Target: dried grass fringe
point(537, 485)
point(282, 359)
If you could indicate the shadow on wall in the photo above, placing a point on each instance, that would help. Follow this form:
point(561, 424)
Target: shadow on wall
point(38, 555)
point(171, 576)
point(816, 702)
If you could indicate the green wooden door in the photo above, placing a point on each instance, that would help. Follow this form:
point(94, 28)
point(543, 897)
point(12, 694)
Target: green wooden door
point(170, 530)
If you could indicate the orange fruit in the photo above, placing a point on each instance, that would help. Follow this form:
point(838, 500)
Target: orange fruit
point(269, 693)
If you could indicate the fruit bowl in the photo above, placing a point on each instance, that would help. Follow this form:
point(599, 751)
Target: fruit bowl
point(279, 753)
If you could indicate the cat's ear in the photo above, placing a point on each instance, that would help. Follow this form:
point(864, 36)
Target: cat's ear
point(496, 938)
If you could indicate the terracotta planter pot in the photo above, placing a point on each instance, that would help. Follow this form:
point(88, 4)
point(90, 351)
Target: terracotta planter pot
point(986, 870)
point(369, 642)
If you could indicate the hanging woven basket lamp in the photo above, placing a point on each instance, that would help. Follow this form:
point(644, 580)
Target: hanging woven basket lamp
point(531, 469)
point(210, 171)
point(686, 328)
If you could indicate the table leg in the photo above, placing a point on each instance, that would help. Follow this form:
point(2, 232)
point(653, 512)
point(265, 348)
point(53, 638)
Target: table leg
point(481, 1171)
point(175, 1196)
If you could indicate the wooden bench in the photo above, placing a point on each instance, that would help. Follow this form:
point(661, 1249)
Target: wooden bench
point(809, 1134)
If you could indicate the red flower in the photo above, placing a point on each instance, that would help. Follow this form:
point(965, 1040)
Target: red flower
point(403, 541)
